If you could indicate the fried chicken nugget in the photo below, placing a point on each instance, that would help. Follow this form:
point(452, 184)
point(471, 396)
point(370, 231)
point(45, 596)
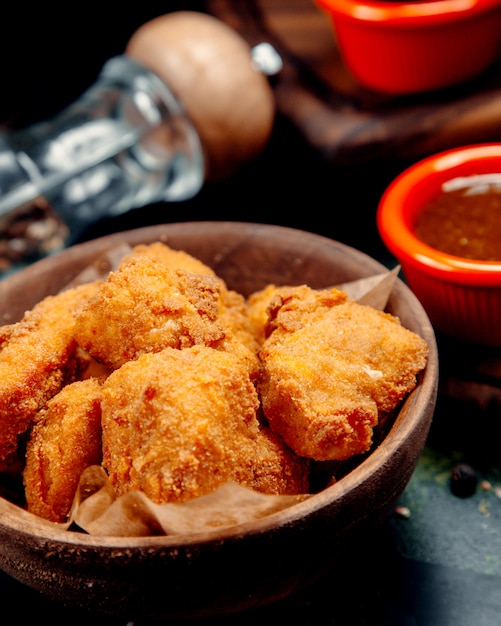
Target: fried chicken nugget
point(38, 355)
point(331, 368)
point(146, 306)
point(179, 423)
point(158, 298)
point(64, 440)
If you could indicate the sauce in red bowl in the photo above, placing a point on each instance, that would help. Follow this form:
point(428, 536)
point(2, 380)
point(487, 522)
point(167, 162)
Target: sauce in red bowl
point(461, 295)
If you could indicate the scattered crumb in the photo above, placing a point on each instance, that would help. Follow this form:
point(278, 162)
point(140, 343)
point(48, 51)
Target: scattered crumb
point(403, 512)
point(484, 508)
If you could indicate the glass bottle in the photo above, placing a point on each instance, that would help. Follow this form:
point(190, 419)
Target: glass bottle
point(126, 142)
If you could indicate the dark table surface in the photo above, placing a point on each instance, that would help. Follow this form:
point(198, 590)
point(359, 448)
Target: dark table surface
point(438, 566)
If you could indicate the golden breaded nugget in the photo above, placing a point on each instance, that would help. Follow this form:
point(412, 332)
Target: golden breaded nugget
point(38, 355)
point(155, 300)
point(179, 423)
point(331, 368)
point(145, 306)
point(65, 439)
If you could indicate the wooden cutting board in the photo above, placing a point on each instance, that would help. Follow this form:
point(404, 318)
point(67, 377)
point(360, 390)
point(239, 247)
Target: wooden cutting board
point(344, 122)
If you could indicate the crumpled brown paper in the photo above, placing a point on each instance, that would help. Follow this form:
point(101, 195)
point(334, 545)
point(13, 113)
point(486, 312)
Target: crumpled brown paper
point(96, 509)
point(373, 291)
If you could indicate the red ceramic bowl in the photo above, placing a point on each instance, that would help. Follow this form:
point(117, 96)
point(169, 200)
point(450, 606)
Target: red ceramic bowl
point(461, 296)
point(408, 47)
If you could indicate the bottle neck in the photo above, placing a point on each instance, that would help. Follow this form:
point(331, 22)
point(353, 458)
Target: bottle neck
point(125, 143)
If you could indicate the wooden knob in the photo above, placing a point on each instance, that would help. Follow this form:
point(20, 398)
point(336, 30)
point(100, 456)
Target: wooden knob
point(209, 68)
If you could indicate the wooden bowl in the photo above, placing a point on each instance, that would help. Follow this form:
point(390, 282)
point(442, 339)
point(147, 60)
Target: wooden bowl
point(252, 564)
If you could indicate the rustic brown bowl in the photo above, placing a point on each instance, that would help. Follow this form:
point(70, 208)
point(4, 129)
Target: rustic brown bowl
point(239, 567)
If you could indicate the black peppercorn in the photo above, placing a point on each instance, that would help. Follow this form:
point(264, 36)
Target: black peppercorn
point(463, 480)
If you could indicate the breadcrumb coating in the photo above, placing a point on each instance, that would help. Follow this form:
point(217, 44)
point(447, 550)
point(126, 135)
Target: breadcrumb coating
point(155, 300)
point(331, 368)
point(189, 385)
point(179, 423)
point(146, 306)
point(38, 356)
point(65, 439)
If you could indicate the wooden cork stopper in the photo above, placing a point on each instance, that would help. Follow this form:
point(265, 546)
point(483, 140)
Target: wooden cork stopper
point(209, 68)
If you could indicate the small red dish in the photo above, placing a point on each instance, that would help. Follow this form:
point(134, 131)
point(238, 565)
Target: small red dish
point(407, 47)
point(461, 296)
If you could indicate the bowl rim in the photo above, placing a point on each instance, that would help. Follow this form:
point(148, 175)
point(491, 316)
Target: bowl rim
point(16, 519)
point(409, 14)
point(395, 212)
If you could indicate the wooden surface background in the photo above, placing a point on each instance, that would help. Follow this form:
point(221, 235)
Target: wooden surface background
point(344, 122)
